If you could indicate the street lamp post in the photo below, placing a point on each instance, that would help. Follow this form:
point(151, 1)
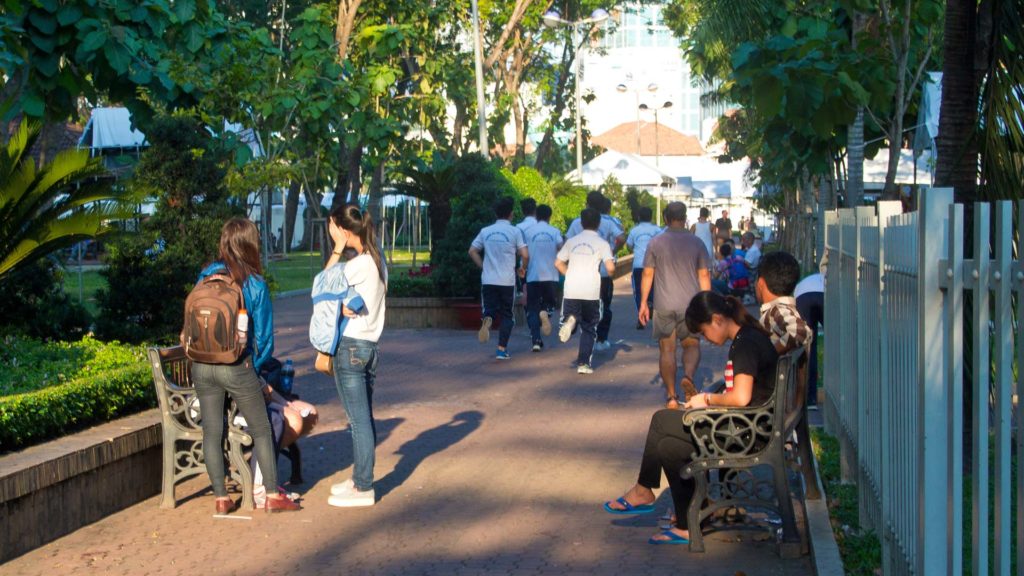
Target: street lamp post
point(552, 19)
point(652, 88)
point(657, 150)
point(481, 104)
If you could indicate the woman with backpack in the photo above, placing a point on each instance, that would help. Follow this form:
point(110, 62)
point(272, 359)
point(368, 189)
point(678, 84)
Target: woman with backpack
point(356, 357)
point(239, 257)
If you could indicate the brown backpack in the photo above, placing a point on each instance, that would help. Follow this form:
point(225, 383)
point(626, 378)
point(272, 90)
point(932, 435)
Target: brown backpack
point(210, 334)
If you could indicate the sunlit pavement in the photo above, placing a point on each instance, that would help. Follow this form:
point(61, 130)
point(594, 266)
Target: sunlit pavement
point(483, 467)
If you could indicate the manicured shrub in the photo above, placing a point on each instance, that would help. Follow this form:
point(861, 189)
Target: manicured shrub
point(58, 387)
point(33, 302)
point(478, 184)
point(406, 285)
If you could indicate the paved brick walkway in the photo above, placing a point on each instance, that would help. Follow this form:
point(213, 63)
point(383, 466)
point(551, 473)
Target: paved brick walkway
point(483, 468)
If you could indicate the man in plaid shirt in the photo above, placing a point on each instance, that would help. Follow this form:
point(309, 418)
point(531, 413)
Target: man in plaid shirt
point(779, 274)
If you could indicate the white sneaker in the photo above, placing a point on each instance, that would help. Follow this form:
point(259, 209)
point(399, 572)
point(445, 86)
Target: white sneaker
point(485, 329)
point(545, 323)
point(565, 332)
point(342, 487)
point(353, 498)
point(584, 369)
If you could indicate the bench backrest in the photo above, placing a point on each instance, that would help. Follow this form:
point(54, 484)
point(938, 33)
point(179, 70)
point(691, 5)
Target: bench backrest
point(174, 390)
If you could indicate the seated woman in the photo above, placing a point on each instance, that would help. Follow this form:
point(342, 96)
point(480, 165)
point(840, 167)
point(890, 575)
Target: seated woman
point(669, 446)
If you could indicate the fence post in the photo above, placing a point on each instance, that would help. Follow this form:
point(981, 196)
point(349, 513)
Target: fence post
point(886, 210)
point(953, 281)
point(1018, 274)
point(979, 271)
point(832, 240)
point(866, 352)
point(932, 455)
point(1002, 316)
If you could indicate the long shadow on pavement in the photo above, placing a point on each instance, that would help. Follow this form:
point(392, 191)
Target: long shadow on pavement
point(335, 452)
point(426, 444)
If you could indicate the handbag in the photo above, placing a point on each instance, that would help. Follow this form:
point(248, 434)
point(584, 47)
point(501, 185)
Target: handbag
point(324, 363)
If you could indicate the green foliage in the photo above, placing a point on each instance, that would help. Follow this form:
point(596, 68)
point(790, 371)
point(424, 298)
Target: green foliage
point(570, 200)
point(46, 208)
point(33, 302)
point(478, 185)
point(404, 285)
point(635, 198)
point(529, 183)
point(55, 388)
point(146, 284)
point(860, 550)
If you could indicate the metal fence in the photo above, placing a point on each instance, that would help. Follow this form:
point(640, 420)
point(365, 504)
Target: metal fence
point(895, 299)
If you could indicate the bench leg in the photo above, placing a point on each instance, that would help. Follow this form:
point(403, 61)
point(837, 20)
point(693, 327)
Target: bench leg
point(807, 469)
point(244, 471)
point(167, 499)
point(700, 494)
point(789, 531)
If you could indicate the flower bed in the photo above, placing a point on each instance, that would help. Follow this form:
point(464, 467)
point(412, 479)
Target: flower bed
point(49, 389)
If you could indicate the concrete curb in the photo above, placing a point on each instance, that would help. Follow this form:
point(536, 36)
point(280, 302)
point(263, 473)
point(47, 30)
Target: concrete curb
point(824, 549)
point(290, 293)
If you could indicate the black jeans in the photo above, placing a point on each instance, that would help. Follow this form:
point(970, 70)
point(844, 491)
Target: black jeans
point(606, 309)
point(669, 448)
point(638, 274)
point(588, 316)
point(240, 381)
point(811, 307)
point(539, 296)
point(498, 301)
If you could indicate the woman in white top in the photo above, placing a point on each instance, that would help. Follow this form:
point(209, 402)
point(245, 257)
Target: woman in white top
point(355, 362)
point(705, 230)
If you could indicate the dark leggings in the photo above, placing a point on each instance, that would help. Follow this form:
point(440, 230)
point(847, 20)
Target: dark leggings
point(669, 448)
point(239, 380)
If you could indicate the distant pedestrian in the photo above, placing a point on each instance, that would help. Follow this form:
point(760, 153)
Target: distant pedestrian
point(542, 244)
point(723, 228)
point(676, 266)
point(494, 251)
point(611, 230)
point(810, 302)
point(579, 259)
point(705, 230)
point(637, 241)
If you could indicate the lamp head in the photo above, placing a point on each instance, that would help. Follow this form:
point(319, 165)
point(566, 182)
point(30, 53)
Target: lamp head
point(622, 88)
point(552, 19)
point(667, 104)
point(643, 107)
point(652, 87)
point(598, 15)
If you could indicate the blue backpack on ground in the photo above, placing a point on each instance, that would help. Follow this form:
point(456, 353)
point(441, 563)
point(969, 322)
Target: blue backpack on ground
point(739, 276)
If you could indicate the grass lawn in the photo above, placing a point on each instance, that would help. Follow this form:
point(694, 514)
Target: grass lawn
point(295, 272)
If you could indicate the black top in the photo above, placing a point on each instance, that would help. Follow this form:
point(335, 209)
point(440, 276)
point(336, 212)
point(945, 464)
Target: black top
point(752, 353)
point(723, 224)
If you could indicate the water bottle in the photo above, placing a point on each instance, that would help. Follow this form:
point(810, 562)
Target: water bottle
point(287, 376)
point(728, 376)
point(243, 327)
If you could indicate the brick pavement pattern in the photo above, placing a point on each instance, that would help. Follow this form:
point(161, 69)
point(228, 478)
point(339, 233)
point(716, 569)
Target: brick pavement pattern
point(483, 467)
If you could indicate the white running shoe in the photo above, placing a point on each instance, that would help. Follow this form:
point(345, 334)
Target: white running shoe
point(485, 329)
point(342, 487)
point(584, 369)
point(565, 332)
point(545, 323)
point(352, 498)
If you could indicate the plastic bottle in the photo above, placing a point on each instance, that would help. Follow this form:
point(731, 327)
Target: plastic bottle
point(728, 376)
point(243, 327)
point(287, 376)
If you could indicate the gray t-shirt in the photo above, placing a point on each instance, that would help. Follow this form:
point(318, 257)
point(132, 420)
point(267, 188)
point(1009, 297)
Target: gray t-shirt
point(676, 256)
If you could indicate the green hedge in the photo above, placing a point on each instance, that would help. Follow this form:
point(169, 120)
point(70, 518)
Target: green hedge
point(52, 388)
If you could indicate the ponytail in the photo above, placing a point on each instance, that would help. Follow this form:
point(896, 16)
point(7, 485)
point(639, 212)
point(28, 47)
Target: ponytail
point(360, 223)
point(705, 304)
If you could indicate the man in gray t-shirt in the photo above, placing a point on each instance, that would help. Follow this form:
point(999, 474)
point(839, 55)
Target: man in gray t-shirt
point(676, 265)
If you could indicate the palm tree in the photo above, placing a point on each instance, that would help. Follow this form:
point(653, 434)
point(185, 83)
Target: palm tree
point(433, 183)
point(50, 207)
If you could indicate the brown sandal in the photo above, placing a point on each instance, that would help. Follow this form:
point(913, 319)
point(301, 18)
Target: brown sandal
point(689, 390)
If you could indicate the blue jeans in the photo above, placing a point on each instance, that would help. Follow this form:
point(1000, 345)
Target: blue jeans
point(355, 368)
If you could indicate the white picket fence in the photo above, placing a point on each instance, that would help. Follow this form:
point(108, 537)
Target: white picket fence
point(894, 313)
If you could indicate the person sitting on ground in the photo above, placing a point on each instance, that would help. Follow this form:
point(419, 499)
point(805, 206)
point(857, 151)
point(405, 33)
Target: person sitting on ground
point(731, 275)
point(670, 445)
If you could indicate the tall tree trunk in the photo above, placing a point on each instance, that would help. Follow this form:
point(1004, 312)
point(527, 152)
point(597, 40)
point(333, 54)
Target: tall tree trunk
point(957, 145)
point(546, 145)
point(291, 210)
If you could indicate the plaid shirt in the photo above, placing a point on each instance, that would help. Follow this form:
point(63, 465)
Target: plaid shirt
point(787, 329)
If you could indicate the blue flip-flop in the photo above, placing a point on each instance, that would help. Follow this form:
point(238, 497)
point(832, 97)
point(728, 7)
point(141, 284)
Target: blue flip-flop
point(628, 508)
point(670, 538)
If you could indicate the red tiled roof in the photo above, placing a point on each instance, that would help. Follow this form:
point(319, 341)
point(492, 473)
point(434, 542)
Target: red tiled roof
point(623, 138)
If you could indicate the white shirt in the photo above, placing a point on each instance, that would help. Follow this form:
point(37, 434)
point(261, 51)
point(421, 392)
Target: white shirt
point(584, 253)
point(525, 225)
point(499, 242)
point(637, 241)
point(812, 283)
point(609, 229)
point(362, 276)
point(753, 256)
point(542, 241)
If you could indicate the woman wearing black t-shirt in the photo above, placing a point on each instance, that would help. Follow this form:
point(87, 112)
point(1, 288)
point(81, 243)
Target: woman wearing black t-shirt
point(669, 445)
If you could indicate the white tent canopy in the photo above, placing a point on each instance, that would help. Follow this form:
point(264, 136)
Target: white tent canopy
point(876, 168)
point(110, 128)
point(628, 169)
point(712, 178)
